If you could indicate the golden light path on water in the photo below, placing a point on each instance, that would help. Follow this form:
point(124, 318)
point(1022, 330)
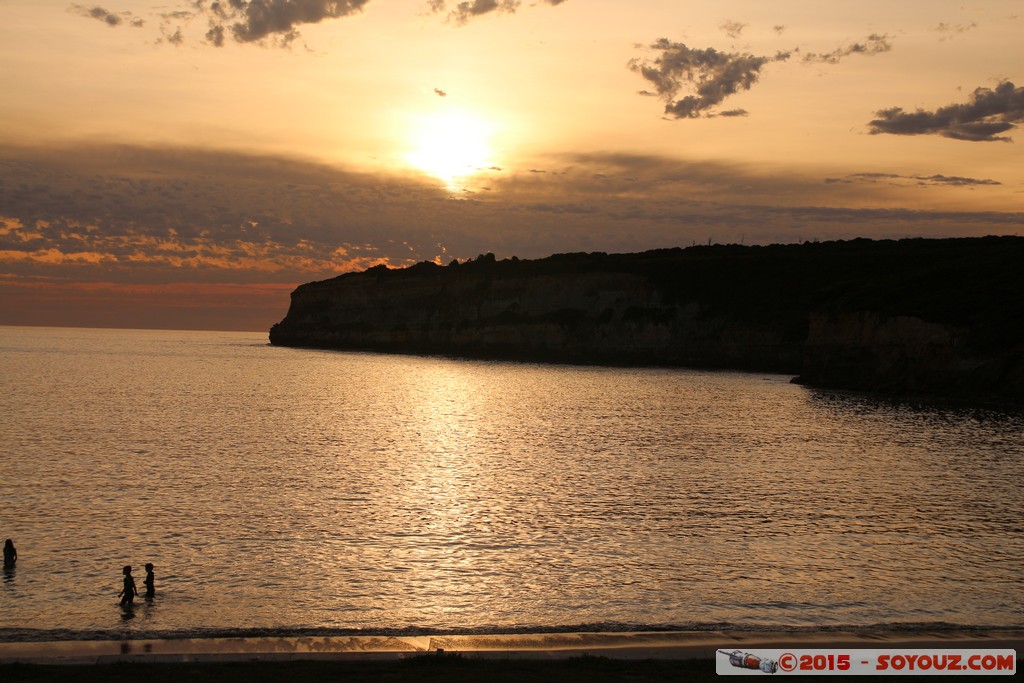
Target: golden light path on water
point(284, 488)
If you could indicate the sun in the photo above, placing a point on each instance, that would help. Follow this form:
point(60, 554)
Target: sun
point(451, 146)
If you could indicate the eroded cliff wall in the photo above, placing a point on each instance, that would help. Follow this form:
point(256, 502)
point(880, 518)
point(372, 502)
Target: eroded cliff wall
point(904, 355)
point(913, 316)
point(588, 317)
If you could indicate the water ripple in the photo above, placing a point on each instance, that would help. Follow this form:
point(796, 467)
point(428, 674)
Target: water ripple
point(287, 489)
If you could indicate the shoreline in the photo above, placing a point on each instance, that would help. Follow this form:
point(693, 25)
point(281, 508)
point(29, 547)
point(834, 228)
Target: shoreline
point(655, 645)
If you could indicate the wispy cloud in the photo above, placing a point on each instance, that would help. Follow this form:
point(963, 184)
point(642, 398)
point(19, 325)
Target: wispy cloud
point(710, 75)
point(950, 31)
point(460, 13)
point(107, 17)
point(872, 45)
point(732, 28)
point(919, 180)
point(989, 113)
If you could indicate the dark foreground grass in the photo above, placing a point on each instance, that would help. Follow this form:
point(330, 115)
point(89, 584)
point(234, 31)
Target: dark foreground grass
point(421, 669)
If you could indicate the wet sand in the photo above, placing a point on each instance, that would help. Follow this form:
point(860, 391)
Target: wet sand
point(593, 657)
point(540, 646)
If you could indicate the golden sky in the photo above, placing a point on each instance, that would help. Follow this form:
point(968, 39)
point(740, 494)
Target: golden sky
point(186, 163)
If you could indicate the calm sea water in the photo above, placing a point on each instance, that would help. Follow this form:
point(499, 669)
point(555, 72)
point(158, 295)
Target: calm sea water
point(290, 489)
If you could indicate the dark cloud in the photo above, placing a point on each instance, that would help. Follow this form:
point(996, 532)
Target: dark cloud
point(989, 113)
point(872, 45)
point(711, 75)
point(921, 180)
point(215, 36)
point(250, 21)
point(732, 28)
point(107, 17)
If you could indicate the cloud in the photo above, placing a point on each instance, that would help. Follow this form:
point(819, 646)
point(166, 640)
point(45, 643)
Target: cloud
point(157, 214)
point(175, 36)
point(107, 17)
point(440, 93)
point(989, 113)
point(118, 213)
point(951, 30)
point(872, 45)
point(732, 28)
point(711, 75)
point(920, 180)
point(275, 22)
point(250, 21)
point(215, 36)
point(463, 12)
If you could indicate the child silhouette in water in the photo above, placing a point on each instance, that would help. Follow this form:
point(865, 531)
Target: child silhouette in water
point(129, 591)
point(150, 582)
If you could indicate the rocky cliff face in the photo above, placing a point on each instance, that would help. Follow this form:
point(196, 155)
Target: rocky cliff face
point(596, 317)
point(866, 351)
point(917, 316)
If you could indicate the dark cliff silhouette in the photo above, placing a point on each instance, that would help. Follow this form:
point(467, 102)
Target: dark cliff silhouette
point(910, 316)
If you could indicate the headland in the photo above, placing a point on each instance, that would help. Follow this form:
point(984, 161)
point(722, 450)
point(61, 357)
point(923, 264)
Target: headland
point(935, 317)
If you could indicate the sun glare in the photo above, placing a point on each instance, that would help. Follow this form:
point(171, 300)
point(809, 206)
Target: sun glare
point(450, 146)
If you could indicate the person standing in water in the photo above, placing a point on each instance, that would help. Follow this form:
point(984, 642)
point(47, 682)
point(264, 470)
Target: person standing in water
point(129, 591)
point(10, 554)
point(150, 581)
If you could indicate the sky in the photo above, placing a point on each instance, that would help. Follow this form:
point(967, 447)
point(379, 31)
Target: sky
point(186, 164)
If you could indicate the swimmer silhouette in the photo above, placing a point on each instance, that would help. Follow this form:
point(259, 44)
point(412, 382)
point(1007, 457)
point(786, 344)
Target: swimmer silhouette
point(10, 554)
point(129, 591)
point(150, 581)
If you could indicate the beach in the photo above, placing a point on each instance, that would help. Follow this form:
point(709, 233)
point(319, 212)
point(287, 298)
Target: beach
point(644, 656)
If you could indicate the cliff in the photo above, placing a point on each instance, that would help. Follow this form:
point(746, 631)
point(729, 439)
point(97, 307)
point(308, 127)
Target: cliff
point(910, 316)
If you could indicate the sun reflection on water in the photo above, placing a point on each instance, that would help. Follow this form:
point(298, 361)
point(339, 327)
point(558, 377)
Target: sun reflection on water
point(279, 487)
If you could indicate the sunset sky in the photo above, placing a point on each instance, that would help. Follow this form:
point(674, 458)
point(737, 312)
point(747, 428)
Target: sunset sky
point(186, 164)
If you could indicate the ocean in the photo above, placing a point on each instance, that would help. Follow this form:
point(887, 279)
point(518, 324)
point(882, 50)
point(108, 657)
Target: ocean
point(283, 490)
